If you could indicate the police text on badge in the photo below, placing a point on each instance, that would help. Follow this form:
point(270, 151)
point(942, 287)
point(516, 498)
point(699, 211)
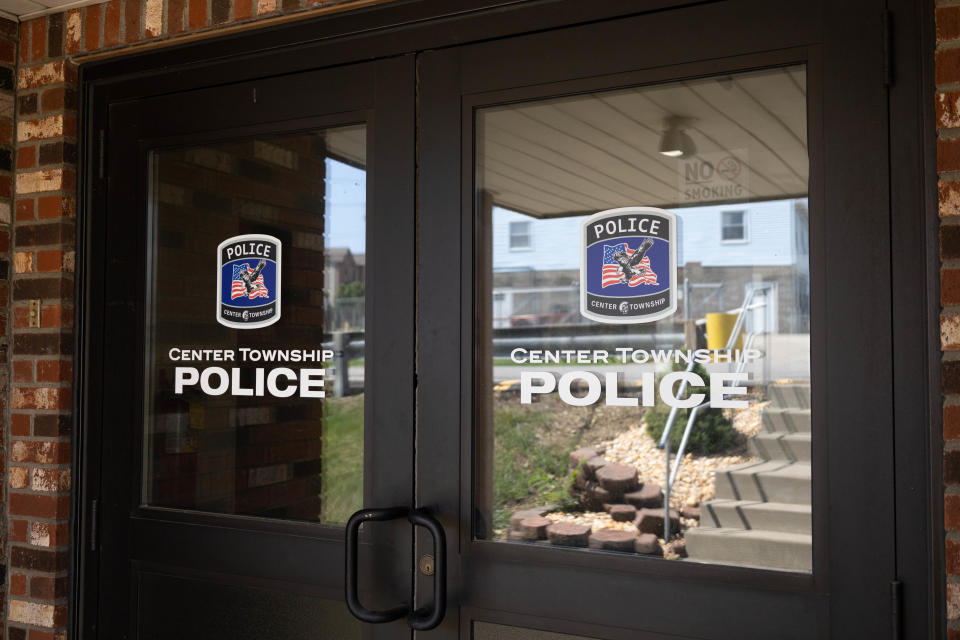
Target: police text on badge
point(628, 265)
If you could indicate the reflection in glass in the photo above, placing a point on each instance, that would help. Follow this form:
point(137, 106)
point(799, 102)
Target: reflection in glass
point(278, 452)
point(727, 155)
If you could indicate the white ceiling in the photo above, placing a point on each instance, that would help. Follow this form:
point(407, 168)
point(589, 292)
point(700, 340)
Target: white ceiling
point(27, 9)
point(596, 151)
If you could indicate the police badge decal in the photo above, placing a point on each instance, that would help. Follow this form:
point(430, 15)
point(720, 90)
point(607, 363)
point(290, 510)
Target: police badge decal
point(248, 281)
point(628, 265)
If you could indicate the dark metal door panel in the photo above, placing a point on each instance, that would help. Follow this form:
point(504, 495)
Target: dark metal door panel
point(296, 562)
point(848, 592)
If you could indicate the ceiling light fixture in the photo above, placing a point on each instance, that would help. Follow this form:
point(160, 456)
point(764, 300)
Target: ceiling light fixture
point(675, 142)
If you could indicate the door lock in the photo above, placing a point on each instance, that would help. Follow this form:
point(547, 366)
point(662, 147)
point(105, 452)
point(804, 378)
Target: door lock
point(426, 564)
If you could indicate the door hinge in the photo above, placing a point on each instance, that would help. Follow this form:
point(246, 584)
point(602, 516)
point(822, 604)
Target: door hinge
point(887, 48)
point(93, 524)
point(102, 152)
point(895, 607)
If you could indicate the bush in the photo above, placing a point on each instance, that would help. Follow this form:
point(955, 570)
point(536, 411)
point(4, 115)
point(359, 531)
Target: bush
point(711, 432)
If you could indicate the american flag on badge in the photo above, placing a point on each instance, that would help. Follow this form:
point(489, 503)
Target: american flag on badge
point(239, 290)
point(613, 272)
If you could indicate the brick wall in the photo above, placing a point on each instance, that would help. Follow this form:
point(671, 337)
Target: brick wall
point(8, 58)
point(948, 166)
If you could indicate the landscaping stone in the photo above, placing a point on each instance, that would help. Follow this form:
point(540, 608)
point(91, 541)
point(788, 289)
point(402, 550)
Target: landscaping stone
point(617, 478)
point(690, 512)
point(678, 547)
point(622, 512)
point(527, 513)
point(612, 540)
point(651, 521)
point(515, 536)
point(650, 495)
point(534, 528)
point(582, 455)
point(648, 544)
point(580, 480)
point(599, 495)
point(591, 466)
point(568, 534)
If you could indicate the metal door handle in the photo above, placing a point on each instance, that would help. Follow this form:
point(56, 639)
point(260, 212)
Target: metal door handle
point(421, 619)
point(425, 619)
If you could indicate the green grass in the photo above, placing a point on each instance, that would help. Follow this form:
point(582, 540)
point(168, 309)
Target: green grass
point(526, 471)
point(342, 470)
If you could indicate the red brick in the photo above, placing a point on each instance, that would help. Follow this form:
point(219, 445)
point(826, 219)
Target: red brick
point(39, 506)
point(27, 157)
point(949, 286)
point(40, 634)
point(948, 155)
point(54, 371)
point(951, 512)
point(23, 372)
point(111, 23)
point(131, 20)
point(24, 45)
point(242, 9)
point(20, 422)
point(38, 39)
point(947, 66)
point(175, 16)
point(951, 422)
point(91, 28)
point(6, 187)
point(56, 207)
point(21, 317)
point(50, 260)
point(19, 530)
point(51, 480)
point(56, 316)
point(36, 559)
point(25, 210)
point(953, 556)
point(55, 398)
point(948, 23)
point(58, 99)
point(6, 132)
point(8, 51)
point(42, 452)
point(48, 588)
point(198, 14)
point(74, 29)
point(18, 584)
point(4, 241)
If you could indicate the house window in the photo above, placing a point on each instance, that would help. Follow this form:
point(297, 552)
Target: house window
point(520, 236)
point(733, 226)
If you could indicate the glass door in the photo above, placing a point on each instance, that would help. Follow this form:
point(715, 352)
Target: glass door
point(254, 392)
point(651, 399)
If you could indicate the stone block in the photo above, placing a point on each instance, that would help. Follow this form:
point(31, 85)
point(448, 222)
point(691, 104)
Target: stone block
point(568, 534)
point(612, 540)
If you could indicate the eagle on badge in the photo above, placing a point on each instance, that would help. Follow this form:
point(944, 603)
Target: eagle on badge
point(628, 263)
point(249, 278)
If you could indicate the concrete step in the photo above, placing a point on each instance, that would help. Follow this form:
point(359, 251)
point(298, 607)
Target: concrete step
point(789, 396)
point(777, 420)
point(757, 516)
point(766, 549)
point(780, 446)
point(766, 481)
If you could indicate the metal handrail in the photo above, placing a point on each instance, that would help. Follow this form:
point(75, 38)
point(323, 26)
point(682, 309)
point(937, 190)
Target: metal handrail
point(670, 475)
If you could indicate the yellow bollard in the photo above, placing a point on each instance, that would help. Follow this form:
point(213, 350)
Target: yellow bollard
point(719, 326)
